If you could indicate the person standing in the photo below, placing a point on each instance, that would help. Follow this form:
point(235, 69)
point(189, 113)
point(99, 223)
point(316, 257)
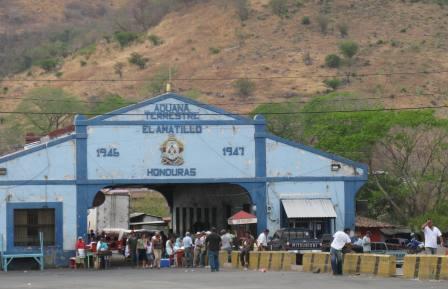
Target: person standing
point(246, 247)
point(149, 253)
point(198, 244)
point(262, 241)
point(132, 244)
point(169, 248)
point(213, 243)
point(80, 252)
point(227, 239)
point(340, 239)
point(188, 249)
point(141, 250)
point(431, 234)
point(157, 247)
point(203, 250)
point(366, 243)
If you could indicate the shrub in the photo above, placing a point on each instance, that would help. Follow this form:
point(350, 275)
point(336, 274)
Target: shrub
point(214, 50)
point(343, 29)
point(244, 87)
point(118, 69)
point(348, 48)
point(332, 61)
point(306, 20)
point(125, 38)
point(82, 63)
point(58, 74)
point(323, 23)
point(138, 60)
point(332, 83)
point(242, 7)
point(279, 7)
point(87, 51)
point(155, 40)
point(49, 64)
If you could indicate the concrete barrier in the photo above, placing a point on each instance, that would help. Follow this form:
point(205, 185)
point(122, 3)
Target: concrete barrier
point(316, 262)
point(236, 259)
point(379, 265)
point(427, 267)
point(275, 261)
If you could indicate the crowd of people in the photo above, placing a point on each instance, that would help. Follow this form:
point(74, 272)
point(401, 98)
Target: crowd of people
point(150, 250)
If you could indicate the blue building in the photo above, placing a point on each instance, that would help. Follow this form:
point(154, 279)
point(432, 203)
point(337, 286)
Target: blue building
point(208, 164)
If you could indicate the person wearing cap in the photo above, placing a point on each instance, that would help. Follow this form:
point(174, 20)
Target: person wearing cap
point(187, 243)
point(198, 244)
point(432, 233)
point(262, 240)
point(80, 251)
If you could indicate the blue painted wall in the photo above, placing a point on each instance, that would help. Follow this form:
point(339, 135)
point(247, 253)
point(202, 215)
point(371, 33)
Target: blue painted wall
point(216, 147)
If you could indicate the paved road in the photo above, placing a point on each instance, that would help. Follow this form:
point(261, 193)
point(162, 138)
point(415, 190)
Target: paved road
point(126, 278)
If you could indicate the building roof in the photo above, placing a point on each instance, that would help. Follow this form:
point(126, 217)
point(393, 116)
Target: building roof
point(309, 208)
point(364, 222)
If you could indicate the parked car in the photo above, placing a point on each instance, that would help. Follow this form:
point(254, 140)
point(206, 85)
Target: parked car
point(295, 239)
point(384, 249)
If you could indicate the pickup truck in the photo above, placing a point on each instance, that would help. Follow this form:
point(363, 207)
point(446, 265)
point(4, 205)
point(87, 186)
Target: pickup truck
point(383, 248)
point(295, 239)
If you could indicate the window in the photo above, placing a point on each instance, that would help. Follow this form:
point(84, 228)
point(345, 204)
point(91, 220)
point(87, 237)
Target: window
point(29, 222)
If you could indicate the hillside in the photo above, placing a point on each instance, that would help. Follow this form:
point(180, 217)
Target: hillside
point(210, 43)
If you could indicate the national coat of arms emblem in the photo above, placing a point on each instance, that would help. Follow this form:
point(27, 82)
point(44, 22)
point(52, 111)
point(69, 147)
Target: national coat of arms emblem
point(172, 150)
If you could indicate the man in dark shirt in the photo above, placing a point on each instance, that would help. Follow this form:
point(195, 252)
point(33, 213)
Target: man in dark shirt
point(213, 242)
point(132, 244)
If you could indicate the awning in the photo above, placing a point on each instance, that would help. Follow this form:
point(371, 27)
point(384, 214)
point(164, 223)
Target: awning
point(309, 208)
point(242, 218)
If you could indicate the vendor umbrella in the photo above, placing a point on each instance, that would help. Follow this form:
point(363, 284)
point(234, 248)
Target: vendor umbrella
point(242, 218)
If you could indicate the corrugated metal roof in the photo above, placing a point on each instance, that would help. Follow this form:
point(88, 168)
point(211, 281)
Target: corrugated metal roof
point(309, 208)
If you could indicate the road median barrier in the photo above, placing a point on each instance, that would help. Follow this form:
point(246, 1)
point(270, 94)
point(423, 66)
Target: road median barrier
point(371, 264)
point(316, 262)
point(425, 267)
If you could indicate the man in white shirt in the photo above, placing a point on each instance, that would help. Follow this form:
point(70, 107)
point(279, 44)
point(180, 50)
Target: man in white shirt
point(226, 241)
point(339, 240)
point(431, 234)
point(262, 241)
point(187, 243)
point(366, 246)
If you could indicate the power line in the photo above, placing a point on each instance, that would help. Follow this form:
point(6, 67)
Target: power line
point(4, 98)
point(235, 78)
point(236, 114)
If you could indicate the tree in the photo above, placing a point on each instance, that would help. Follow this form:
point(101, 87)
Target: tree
point(110, 103)
point(48, 108)
point(118, 69)
point(138, 60)
point(244, 87)
point(348, 48)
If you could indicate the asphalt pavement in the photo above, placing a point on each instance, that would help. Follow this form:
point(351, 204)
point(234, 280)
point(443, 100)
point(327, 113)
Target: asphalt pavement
point(127, 278)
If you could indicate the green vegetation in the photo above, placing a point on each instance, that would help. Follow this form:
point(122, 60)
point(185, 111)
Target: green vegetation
point(306, 20)
point(279, 7)
point(49, 64)
point(333, 83)
point(323, 21)
point(243, 9)
point(48, 100)
point(155, 40)
point(88, 50)
point(110, 103)
point(125, 38)
point(138, 60)
point(343, 29)
point(348, 48)
point(332, 61)
point(407, 150)
point(244, 87)
point(214, 50)
point(192, 93)
point(159, 80)
point(151, 203)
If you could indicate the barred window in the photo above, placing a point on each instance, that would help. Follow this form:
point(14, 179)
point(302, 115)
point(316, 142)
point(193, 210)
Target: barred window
point(29, 222)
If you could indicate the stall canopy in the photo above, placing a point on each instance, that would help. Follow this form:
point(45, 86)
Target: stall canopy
point(306, 208)
point(242, 218)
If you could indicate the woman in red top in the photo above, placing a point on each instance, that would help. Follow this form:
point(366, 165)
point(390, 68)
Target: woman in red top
point(80, 251)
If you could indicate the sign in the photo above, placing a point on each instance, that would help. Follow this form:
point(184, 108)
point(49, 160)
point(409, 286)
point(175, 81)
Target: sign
point(172, 152)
